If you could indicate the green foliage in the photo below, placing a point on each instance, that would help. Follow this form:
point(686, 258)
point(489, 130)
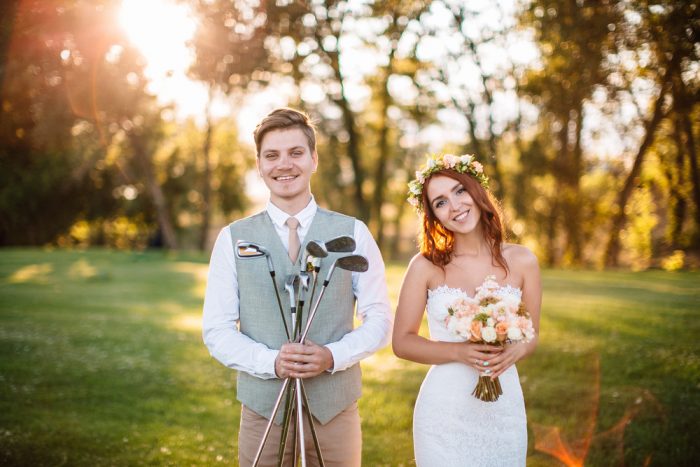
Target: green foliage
point(101, 362)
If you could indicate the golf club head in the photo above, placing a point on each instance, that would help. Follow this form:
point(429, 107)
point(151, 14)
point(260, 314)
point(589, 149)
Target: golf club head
point(342, 244)
point(248, 250)
point(304, 280)
point(316, 249)
point(316, 265)
point(309, 264)
point(291, 286)
point(354, 263)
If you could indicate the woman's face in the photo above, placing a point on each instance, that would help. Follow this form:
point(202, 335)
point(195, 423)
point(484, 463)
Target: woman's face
point(452, 204)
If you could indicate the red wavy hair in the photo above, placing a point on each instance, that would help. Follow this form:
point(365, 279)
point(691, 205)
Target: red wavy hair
point(437, 242)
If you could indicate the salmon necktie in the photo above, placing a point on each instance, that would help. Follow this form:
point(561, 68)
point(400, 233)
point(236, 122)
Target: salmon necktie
point(294, 243)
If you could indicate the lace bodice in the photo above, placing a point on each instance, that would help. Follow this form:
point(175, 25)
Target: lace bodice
point(440, 298)
point(452, 428)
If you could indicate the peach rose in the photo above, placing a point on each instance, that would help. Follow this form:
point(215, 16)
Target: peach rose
point(502, 331)
point(475, 330)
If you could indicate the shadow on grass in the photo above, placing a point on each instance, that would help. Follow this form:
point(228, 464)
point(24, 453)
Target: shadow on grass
point(102, 362)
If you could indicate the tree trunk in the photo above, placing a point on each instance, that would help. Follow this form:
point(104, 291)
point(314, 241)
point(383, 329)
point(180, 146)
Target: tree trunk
point(498, 187)
point(612, 249)
point(693, 158)
point(155, 191)
point(350, 126)
point(675, 173)
point(574, 224)
point(206, 182)
point(8, 13)
point(380, 172)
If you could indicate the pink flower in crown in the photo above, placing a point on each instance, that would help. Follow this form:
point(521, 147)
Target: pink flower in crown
point(413, 202)
point(420, 177)
point(450, 160)
point(478, 167)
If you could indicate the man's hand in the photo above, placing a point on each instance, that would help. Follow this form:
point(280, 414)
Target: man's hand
point(303, 360)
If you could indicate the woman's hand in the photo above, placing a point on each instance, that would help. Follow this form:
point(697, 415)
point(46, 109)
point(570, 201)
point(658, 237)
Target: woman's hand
point(478, 356)
point(510, 354)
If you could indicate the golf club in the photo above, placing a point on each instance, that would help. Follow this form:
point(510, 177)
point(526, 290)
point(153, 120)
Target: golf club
point(342, 244)
point(248, 250)
point(354, 263)
point(301, 298)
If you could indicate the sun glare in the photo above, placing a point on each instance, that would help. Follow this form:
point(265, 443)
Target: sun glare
point(160, 30)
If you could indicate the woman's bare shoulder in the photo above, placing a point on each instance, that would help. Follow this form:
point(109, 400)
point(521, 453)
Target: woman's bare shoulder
point(519, 256)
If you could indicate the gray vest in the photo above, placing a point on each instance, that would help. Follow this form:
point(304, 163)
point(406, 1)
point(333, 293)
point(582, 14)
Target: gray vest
point(328, 394)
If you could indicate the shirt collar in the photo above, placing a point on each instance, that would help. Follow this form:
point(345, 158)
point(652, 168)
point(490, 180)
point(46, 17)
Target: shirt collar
point(305, 216)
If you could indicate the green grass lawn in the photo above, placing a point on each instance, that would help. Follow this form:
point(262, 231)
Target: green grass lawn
point(102, 363)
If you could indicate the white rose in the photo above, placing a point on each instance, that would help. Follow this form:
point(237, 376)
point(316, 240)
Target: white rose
point(466, 159)
point(489, 322)
point(488, 334)
point(452, 325)
point(514, 333)
point(463, 328)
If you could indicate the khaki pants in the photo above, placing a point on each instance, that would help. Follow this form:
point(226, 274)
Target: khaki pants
point(340, 440)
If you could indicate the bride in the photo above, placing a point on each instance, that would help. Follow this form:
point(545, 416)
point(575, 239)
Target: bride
point(461, 243)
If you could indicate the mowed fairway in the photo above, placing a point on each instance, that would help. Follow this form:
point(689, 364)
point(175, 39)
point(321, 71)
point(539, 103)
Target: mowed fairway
point(102, 363)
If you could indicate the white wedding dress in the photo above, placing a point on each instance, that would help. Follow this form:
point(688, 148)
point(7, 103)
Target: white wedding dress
point(453, 428)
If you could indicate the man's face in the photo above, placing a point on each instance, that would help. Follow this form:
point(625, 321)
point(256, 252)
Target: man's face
point(285, 164)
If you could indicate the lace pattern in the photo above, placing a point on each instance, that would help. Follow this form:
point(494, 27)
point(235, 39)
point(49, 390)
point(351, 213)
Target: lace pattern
point(453, 428)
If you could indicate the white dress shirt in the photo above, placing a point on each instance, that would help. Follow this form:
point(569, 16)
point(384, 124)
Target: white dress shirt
point(221, 303)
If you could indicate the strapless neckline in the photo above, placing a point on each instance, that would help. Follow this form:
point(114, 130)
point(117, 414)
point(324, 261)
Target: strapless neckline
point(444, 288)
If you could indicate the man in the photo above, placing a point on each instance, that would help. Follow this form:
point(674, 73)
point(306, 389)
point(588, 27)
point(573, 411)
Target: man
point(243, 329)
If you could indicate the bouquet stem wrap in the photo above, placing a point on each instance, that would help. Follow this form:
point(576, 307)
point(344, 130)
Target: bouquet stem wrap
point(487, 389)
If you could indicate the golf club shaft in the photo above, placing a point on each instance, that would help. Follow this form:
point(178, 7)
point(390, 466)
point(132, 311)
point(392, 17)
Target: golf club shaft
point(312, 427)
point(311, 297)
point(279, 304)
point(270, 422)
point(300, 421)
point(288, 412)
point(313, 312)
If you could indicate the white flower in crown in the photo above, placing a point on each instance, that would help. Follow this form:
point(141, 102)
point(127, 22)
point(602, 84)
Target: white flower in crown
point(420, 177)
point(466, 158)
point(416, 188)
point(431, 164)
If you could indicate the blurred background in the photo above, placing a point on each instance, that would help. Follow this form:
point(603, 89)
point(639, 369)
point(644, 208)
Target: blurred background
point(126, 145)
point(129, 123)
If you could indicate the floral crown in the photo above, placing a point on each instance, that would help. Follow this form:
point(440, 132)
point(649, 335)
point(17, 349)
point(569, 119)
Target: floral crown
point(437, 162)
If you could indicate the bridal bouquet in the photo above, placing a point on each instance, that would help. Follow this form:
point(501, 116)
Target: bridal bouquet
point(491, 318)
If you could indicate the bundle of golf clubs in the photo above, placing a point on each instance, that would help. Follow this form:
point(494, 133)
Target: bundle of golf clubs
point(297, 286)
